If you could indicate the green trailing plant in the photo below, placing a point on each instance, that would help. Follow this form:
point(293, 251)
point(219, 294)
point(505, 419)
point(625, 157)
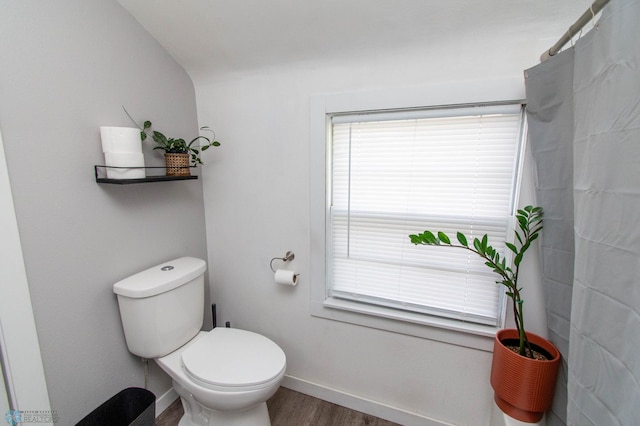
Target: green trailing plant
point(178, 146)
point(530, 224)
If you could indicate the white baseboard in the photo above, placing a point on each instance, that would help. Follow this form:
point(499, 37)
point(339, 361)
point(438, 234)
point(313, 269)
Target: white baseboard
point(357, 403)
point(165, 400)
point(334, 396)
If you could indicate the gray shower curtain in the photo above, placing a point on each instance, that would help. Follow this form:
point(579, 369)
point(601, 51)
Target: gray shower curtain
point(583, 107)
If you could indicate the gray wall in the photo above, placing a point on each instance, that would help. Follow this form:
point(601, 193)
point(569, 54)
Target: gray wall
point(67, 67)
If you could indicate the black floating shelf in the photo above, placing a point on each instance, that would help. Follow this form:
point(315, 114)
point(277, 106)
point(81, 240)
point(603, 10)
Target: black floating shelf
point(100, 172)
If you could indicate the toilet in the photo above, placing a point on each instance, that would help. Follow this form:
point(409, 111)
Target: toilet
point(223, 376)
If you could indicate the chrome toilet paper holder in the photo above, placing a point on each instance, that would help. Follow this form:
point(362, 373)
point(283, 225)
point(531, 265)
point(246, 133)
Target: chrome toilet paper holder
point(288, 256)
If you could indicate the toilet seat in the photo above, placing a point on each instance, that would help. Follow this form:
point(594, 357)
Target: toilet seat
point(233, 360)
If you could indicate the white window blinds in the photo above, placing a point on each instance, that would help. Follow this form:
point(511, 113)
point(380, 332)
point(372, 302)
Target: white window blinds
point(394, 174)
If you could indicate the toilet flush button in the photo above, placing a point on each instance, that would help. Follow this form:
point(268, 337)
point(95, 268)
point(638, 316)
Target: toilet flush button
point(166, 268)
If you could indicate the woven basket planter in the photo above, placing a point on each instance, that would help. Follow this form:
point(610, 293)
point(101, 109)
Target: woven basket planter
point(523, 386)
point(177, 164)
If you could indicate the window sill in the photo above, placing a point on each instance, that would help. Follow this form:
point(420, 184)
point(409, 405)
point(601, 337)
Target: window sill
point(454, 332)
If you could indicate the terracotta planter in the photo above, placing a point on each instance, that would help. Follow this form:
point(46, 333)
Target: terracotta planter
point(523, 386)
point(177, 164)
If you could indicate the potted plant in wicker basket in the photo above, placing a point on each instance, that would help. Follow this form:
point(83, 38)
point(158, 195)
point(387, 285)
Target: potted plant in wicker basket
point(178, 151)
point(179, 155)
point(525, 365)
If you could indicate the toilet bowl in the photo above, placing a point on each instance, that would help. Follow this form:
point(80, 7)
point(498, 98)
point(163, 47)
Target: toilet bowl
point(223, 376)
point(226, 370)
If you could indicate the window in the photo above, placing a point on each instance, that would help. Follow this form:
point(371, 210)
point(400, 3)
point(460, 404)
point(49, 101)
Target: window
point(394, 173)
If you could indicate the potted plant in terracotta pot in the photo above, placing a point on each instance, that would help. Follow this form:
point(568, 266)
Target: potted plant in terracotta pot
point(179, 155)
point(525, 365)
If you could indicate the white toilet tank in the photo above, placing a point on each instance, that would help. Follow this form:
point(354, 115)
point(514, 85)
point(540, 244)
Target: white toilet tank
point(162, 307)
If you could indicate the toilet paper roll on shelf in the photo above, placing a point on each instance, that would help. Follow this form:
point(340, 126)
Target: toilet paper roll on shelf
point(120, 139)
point(119, 163)
point(122, 147)
point(286, 277)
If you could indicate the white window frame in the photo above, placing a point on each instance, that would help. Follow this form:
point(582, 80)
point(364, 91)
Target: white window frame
point(321, 108)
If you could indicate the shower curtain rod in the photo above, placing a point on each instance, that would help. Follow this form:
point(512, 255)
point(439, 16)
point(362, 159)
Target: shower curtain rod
point(587, 16)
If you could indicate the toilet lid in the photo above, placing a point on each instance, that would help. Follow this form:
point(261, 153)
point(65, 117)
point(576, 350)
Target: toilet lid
point(230, 357)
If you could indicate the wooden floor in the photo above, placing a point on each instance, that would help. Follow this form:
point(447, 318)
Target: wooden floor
point(290, 408)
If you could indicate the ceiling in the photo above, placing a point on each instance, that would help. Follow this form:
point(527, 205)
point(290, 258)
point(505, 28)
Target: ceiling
point(212, 36)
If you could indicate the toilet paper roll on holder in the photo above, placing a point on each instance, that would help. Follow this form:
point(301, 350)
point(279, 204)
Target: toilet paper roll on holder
point(288, 256)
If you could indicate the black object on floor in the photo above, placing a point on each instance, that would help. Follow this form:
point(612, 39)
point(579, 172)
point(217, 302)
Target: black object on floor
point(129, 407)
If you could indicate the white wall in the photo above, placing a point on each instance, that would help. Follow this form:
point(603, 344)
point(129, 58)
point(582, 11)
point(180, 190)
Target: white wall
point(21, 367)
point(257, 207)
point(67, 67)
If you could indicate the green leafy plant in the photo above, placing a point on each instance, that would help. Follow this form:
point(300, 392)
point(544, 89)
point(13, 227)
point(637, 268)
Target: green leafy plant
point(529, 224)
point(178, 146)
